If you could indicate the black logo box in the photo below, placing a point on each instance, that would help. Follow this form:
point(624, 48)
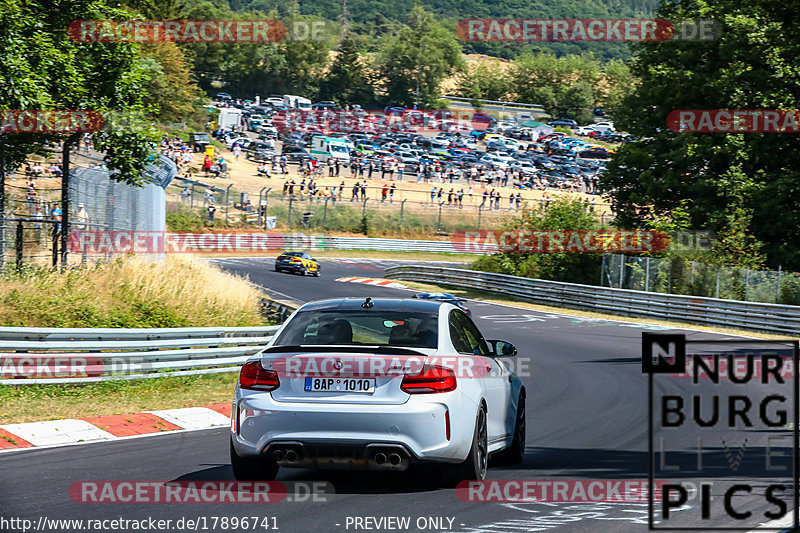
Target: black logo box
point(654, 347)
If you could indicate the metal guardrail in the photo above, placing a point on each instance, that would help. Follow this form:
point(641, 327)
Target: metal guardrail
point(771, 318)
point(116, 353)
point(321, 242)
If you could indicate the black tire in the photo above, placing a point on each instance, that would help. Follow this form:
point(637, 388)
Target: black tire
point(515, 453)
point(477, 462)
point(317, 274)
point(252, 468)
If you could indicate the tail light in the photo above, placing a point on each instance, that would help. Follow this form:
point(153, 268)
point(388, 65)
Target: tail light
point(432, 379)
point(254, 377)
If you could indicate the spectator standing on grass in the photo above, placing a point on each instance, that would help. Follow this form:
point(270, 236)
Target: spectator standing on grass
point(461, 197)
point(433, 194)
point(356, 188)
point(519, 200)
point(364, 190)
point(391, 193)
point(336, 165)
point(55, 214)
point(370, 168)
point(511, 201)
point(450, 197)
point(384, 192)
point(439, 195)
point(87, 142)
point(400, 169)
point(211, 211)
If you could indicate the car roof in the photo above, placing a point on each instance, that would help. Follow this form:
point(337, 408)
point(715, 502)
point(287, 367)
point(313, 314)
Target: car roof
point(379, 304)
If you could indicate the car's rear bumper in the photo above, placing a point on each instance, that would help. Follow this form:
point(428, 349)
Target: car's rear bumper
point(350, 435)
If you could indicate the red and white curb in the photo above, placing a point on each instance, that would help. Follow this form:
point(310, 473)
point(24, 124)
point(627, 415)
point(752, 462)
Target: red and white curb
point(371, 281)
point(106, 428)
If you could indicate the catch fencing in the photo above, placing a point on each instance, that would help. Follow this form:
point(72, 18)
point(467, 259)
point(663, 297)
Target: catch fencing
point(679, 276)
point(97, 202)
point(765, 317)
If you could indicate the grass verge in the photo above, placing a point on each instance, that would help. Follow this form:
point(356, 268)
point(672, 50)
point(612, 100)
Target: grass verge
point(130, 292)
point(53, 402)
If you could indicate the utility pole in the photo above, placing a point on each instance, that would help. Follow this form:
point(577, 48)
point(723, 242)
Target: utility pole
point(65, 153)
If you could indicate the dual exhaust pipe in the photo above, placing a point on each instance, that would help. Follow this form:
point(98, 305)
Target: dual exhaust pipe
point(289, 455)
point(393, 459)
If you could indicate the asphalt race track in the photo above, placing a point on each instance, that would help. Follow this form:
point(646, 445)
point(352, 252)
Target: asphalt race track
point(587, 409)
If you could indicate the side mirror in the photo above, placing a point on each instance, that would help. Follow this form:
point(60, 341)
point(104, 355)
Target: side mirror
point(503, 348)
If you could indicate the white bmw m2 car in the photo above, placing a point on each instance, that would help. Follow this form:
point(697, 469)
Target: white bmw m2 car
point(378, 385)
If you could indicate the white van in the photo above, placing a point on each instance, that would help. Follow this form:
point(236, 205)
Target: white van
point(324, 148)
point(296, 102)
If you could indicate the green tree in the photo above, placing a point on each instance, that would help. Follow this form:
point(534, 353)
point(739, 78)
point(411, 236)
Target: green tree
point(482, 81)
point(564, 86)
point(47, 69)
point(346, 81)
point(414, 62)
point(752, 65)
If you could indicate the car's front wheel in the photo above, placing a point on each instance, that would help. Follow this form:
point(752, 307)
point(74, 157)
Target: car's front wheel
point(477, 462)
point(252, 468)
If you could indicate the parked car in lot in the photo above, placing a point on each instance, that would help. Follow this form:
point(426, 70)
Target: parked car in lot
point(259, 151)
point(380, 385)
point(563, 122)
point(603, 126)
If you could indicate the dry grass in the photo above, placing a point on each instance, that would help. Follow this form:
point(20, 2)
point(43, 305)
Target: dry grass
point(130, 292)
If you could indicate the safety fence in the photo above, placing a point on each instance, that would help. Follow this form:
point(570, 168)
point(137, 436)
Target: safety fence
point(83, 355)
point(679, 276)
point(765, 317)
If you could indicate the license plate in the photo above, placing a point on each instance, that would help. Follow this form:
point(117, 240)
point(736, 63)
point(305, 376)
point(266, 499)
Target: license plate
point(340, 385)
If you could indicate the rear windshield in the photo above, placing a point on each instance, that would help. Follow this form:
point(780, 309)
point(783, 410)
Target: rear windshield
point(392, 328)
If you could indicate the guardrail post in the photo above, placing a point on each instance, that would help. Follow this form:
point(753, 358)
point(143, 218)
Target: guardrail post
point(621, 270)
point(778, 288)
point(402, 206)
point(191, 199)
point(717, 292)
point(439, 222)
point(291, 200)
point(480, 212)
point(647, 275)
point(364, 208)
point(227, 194)
point(325, 211)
